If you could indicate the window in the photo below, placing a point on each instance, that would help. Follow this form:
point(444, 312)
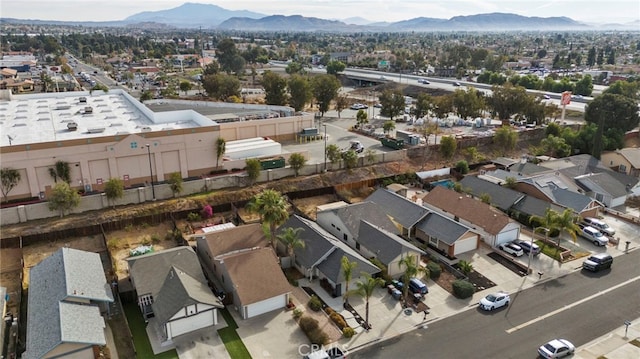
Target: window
point(346, 237)
point(433, 241)
point(134, 144)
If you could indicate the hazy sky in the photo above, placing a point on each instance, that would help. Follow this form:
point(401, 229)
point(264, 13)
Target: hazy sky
point(600, 11)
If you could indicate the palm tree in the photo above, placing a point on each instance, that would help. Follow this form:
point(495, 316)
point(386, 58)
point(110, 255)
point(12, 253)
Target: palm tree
point(272, 208)
point(347, 272)
point(547, 222)
point(290, 237)
point(465, 267)
point(411, 269)
point(566, 222)
point(365, 290)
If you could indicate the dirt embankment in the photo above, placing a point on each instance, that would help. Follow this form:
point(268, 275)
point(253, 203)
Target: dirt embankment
point(196, 202)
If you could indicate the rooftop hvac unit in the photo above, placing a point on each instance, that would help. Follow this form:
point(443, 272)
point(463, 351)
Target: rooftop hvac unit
point(72, 126)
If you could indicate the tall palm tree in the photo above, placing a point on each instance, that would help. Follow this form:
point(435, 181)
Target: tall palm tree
point(347, 272)
point(566, 222)
point(272, 208)
point(411, 269)
point(365, 288)
point(290, 237)
point(547, 222)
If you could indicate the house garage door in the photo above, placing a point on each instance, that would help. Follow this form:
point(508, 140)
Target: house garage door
point(507, 236)
point(194, 322)
point(465, 245)
point(267, 305)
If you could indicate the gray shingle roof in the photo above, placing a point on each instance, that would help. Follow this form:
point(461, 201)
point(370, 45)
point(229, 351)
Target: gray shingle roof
point(387, 245)
point(179, 290)
point(149, 271)
point(602, 183)
point(442, 228)
point(68, 273)
point(401, 209)
point(569, 199)
point(501, 197)
point(352, 214)
point(534, 206)
point(324, 251)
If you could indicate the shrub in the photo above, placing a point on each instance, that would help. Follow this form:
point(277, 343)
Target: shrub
point(317, 336)
point(348, 332)
point(434, 270)
point(463, 289)
point(112, 244)
point(308, 324)
point(207, 212)
point(145, 241)
point(339, 320)
point(315, 303)
point(329, 311)
point(297, 313)
point(193, 217)
point(155, 239)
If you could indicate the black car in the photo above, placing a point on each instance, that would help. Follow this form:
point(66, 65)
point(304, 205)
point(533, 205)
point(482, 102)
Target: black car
point(598, 262)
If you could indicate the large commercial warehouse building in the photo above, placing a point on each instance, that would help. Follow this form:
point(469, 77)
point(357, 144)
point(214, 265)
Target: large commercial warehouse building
point(112, 135)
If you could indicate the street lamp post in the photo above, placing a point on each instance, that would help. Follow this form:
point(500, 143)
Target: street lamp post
point(153, 189)
point(325, 147)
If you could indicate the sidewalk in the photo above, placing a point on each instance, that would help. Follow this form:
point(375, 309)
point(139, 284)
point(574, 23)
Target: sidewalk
point(613, 345)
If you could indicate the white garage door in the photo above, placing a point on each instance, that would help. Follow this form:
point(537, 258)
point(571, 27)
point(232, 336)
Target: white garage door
point(185, 325)
point(507, 236)
point(465, 245)
point(267, 305)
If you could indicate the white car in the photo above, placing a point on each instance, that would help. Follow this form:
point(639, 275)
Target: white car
point(494, 301)
point(556, 348)
point(512, 248)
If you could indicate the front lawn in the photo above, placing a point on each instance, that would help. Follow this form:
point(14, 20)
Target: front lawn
point(231, 339)
point(140, 339)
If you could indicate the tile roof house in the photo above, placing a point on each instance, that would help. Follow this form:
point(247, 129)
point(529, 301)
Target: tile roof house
point(322, 255)
point(173, 293)
point(67, 293)
point(244, 264)
point(494, 226)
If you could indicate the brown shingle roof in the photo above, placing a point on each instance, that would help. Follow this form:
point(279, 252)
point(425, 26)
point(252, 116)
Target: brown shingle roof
point(467, 208)
point(256, 275)
point(237, 238)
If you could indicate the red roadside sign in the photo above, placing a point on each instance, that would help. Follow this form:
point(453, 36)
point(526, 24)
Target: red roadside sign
point(566, 98)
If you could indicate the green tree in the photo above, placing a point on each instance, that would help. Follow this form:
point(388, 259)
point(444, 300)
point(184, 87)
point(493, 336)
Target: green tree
point(465, 267)
point(290, 237)
point(294, 68)
point(462, 167)
point(361, 118)
point(253, 169)
point(566, 222)
point(554, 146)
point(507, 100)
point(333, 154)
point(299, 92)
point(347, 268)
point(221, 87)
point(297, 161)
point(584, 87)
point(365, 288)
point(185, 86)
point(275, 89)
point(146, 95)
point(468, 103)
point(388, 126)
point(228, 56)
point(510, 182)
point(63, 198)
point(350, 158)
point(335, 66)
point(114, 189)
point(505, 138)
point(393, 103)
point(60, 170)
point(442, 106)
point(448, 146)
point(325, 89)
point(423, 105)
point(273, 210)
point(410, 265)
point(175, 183)
point(591, 57)
point(611, 111)
point(10, 178)
point(221, 148)
point(629, 89)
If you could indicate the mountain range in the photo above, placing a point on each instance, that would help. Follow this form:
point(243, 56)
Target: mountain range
point(208, 16)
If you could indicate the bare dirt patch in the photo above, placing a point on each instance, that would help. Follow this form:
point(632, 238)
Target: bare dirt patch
point(12, 280)
point(479, 281)
point(309, 205)
point(121, 242)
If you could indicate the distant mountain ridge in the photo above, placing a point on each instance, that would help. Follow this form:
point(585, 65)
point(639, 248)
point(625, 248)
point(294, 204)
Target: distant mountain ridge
point(209, 16)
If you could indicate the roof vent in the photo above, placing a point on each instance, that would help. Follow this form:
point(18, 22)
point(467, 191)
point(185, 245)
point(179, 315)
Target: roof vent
point(95, 130)
point(72, 126)
point(146, 129)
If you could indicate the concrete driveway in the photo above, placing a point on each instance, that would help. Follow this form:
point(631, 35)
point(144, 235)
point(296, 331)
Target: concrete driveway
point(272, 335)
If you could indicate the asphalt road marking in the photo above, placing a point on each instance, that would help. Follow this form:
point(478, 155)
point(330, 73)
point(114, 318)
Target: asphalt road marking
point(543, 317)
